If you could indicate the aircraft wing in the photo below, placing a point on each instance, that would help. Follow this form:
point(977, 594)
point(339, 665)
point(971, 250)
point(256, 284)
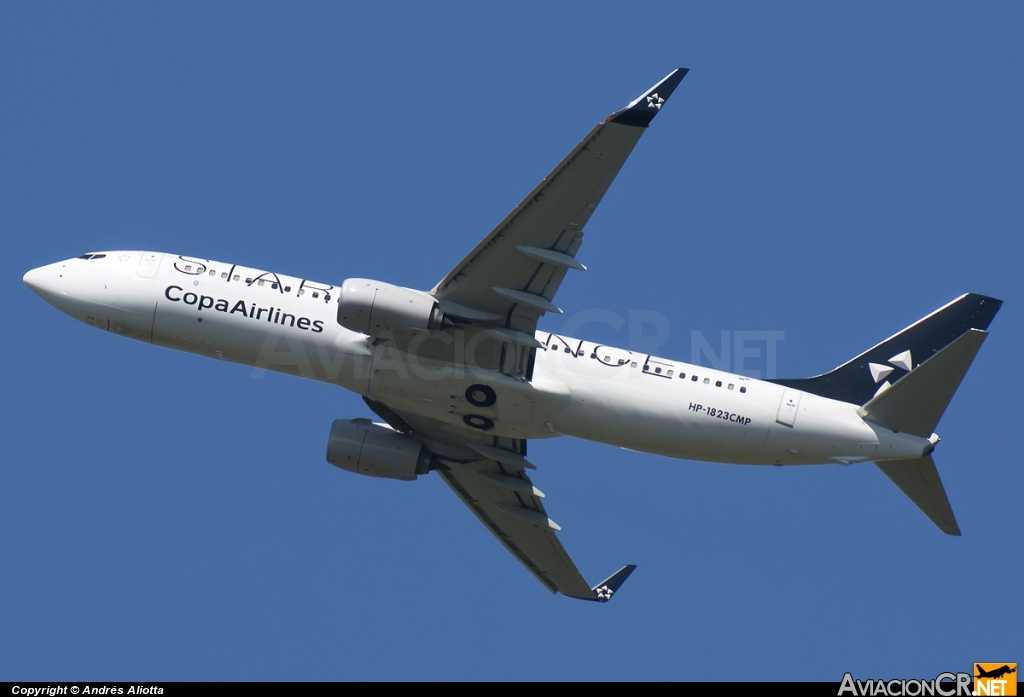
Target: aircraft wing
point(504, 499)
point(511, 278)
point(490, 476)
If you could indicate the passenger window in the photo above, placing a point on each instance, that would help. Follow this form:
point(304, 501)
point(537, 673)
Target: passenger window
point(669, 373)
point(224, 275)
point(274, 286)
point(707, 381)
point(718, 383)
point(566, 348)
point(235, 277)
point(694, 378)
point(621, 360)
point(682, 376)
point(260, 283)
point(327, 297)
point(302, 291)
point(657, 370)
point(317, 295)
point(212, 272)
point(188, 267)
point(646, 367)
point(248, 280)
point(608, 358)
point(633, 364)
point(731, 385)
point(287, 289)
point(743, 389)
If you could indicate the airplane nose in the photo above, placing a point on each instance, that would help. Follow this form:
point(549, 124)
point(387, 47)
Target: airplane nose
point(33, 279)
point(43, 282)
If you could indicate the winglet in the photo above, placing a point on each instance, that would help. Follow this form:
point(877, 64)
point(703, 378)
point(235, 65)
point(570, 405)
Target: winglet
point(604, 591)
point(642, 110)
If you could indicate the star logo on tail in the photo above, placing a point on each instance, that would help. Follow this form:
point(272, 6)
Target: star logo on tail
point(879, 372)
point(654, 101)
point(604, 593)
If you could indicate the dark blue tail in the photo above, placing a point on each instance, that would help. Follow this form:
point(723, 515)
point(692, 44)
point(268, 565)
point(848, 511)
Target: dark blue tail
point(858, 380)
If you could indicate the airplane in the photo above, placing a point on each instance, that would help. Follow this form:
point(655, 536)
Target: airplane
point(994, 673)
point(462, 379)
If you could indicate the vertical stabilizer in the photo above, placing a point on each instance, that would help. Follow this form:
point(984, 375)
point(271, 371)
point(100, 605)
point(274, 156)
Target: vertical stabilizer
point(889, 362)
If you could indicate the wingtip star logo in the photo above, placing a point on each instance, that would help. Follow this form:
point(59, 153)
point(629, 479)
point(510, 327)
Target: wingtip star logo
point(654, 101)
point(604, 593)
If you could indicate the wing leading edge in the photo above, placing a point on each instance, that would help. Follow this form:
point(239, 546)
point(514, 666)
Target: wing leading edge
point(506, 502)
point(514, 273)
point(489, 475)
point(502, 287)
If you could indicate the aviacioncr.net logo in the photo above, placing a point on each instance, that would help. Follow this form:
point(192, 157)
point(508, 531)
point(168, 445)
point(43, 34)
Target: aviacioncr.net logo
point(995, 679)
point(943, 685)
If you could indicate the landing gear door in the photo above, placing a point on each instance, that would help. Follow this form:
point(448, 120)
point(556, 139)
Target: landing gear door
point(788, 407)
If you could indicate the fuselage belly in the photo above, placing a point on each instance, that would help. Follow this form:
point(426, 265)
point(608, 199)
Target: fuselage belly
point(577, 388)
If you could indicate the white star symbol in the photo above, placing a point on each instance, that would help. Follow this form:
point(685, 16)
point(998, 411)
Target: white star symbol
point(604, 593)
point(653, 100)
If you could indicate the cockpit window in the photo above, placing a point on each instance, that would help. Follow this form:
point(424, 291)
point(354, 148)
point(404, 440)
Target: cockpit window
point(92, 256)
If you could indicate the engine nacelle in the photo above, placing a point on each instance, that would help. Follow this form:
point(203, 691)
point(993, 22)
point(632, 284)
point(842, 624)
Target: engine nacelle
point(359, 446)
point(375, 308)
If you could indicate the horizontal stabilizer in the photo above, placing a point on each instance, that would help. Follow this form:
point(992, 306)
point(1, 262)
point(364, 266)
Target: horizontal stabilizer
point(919, 480)
point(917, 402)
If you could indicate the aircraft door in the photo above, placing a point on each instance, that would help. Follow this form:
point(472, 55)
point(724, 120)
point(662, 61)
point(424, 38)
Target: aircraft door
point(788, 407)
point(149, 264)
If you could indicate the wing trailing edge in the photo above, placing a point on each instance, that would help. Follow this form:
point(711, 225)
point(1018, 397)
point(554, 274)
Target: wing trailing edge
point(510, 279)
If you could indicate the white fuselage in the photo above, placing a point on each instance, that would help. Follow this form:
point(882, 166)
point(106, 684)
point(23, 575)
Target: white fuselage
point(578, 388)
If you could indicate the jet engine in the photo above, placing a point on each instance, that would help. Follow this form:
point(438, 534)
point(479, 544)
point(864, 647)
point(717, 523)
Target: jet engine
point(375, 308)
point(363, 447)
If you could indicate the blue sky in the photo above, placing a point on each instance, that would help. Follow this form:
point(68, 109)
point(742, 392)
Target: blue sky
point(830, 171)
